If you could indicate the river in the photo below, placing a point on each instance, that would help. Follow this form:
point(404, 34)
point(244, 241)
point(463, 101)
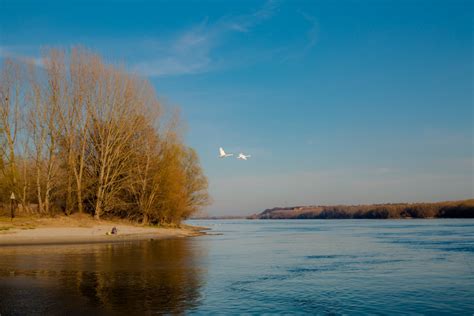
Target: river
point(253, 267)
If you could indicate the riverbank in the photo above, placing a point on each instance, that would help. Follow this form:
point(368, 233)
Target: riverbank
point(83, 229)
point(446, 209)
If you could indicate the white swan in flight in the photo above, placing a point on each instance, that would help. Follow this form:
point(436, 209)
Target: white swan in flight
point(222, 153)
point(243, 157)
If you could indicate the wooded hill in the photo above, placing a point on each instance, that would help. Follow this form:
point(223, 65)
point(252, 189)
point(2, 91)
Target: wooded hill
point(450, 209)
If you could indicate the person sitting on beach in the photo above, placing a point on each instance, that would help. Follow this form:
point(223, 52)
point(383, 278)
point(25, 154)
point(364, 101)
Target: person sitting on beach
point(113, 232)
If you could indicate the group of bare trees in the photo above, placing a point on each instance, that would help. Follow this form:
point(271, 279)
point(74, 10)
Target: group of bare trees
point(79, 135)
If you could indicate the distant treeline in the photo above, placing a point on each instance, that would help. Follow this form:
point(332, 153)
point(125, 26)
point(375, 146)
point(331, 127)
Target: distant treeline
point(451, 209)
point(80, 135)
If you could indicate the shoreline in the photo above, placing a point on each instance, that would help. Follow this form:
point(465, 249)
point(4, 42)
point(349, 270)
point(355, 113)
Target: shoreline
point(68, 231)
point(444, 209)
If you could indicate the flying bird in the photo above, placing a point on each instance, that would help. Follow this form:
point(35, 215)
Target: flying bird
point(222, 153)
point(241, 156)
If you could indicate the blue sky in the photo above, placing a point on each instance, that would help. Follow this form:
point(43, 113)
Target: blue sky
point(337, 101)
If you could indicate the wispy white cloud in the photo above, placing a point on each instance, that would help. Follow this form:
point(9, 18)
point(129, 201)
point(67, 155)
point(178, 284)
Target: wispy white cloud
point(192, 51)
point(172, 65)
point(311, 38)
point(244, 23)
point(312, 33)
point(188, 53)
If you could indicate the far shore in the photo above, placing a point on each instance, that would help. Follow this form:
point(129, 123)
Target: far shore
point(445, 209)
point(83, 229)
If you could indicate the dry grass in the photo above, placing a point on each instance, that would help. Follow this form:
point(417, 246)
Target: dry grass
point(75, 220)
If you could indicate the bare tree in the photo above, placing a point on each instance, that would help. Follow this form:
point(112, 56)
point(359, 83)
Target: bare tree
point(117, 117)
point(84, 71)
point(73, 122)
point(46, 100)
point(144, 183)
point(93, 142)
point(10, 119)
point(25, 170)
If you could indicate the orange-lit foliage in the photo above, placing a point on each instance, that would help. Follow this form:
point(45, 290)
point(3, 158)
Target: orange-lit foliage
point(81, 135)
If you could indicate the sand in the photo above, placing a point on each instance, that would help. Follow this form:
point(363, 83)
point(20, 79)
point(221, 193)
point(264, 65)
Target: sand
point(67, 230)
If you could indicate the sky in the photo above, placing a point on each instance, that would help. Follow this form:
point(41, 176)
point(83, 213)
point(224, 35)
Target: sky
point(338, 102)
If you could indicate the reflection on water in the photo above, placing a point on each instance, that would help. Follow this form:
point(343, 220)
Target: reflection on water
point(310, 267)
point(152, 276)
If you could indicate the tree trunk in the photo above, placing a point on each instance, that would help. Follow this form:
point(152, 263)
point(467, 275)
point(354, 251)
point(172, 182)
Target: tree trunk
point(145, 220)
point(69, 203)
point(80, 208)
point(38, 190)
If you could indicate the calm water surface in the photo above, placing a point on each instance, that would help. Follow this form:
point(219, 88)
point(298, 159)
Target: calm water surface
point(254, 267)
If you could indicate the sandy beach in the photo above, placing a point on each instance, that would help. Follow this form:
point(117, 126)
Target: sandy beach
point(77, 230)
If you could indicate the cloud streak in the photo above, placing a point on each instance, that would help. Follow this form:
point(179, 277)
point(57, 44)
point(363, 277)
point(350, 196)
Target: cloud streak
point(192, 51)
point(311, 37)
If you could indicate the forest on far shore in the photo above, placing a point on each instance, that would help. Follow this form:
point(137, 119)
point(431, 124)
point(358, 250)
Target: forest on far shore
point(448, 209)
point(78, 135)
